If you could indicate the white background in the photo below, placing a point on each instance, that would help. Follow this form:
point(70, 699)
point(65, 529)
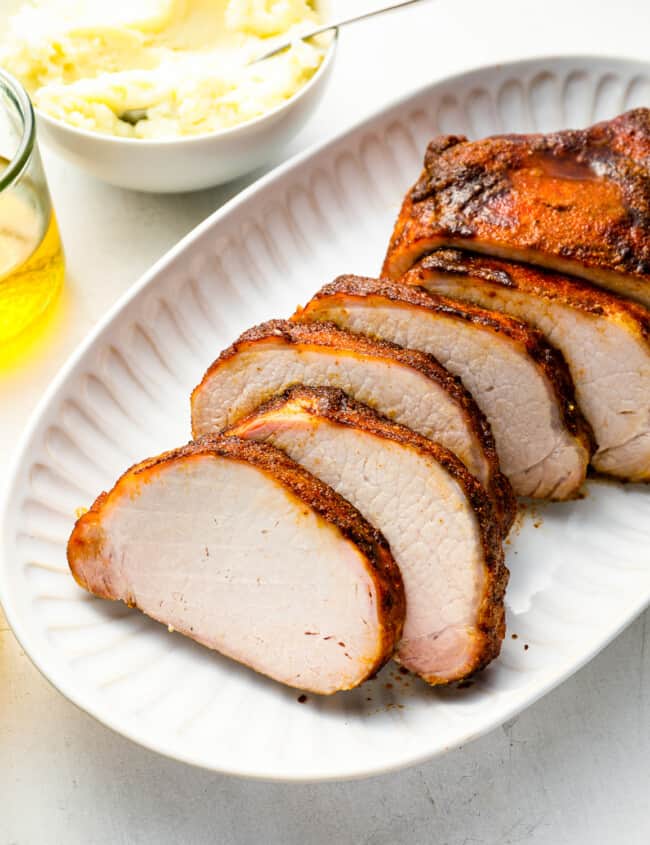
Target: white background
point(572, 769)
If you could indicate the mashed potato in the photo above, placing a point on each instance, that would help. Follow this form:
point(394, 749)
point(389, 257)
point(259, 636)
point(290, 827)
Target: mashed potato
point(86, 62)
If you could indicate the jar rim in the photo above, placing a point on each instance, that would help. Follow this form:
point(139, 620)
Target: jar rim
point(18, 96)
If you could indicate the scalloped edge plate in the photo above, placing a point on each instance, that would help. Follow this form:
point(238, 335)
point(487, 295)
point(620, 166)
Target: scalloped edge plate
point(580, 571)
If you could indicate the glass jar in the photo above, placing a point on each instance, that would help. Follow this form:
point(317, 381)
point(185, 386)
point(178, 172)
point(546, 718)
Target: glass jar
point(31, 258)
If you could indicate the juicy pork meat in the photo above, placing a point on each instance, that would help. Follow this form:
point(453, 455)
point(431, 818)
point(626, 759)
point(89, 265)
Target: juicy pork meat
point(238, 547)
point(604, 339)
point(573, 201)
point(435, 515)
point(404, 385)
point(519, 381)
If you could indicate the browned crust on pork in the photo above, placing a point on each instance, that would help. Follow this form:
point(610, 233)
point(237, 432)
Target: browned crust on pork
point(337, 407)
point(545, 284)
point(533, 343)
point(467, 192)
point(329, 335)
point(87, 534)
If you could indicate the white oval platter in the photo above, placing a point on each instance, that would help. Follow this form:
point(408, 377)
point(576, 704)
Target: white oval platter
point(580, 571)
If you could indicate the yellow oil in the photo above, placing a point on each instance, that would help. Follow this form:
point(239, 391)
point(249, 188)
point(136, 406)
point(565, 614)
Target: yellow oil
point(31, 260)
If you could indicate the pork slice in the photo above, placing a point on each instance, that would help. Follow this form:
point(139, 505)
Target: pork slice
point(605, 340)
point(236, 546)
point(519, 381)
point(435, 515)
point(575, 201)
point(406, 386)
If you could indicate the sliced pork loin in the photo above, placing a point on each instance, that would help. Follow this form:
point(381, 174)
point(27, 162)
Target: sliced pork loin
point(435, 515)
point(604, 338)
point(238, 547)
point(574, 201)
point(519, 381)
point(406, 386)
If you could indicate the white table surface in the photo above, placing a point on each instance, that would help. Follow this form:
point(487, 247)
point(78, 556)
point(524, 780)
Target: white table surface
point(572, 769)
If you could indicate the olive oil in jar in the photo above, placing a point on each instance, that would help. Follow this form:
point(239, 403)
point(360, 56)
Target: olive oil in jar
point(31, 258)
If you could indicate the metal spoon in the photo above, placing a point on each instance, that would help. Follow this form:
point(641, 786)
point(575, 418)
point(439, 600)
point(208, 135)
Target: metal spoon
point(133, 116)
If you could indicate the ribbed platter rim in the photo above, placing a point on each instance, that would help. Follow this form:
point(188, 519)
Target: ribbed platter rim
point(22, 462)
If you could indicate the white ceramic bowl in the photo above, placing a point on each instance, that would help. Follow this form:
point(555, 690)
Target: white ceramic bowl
point(190, 163)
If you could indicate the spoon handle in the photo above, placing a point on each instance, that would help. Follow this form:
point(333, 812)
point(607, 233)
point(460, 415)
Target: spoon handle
point(133, 116)
point(336, 24)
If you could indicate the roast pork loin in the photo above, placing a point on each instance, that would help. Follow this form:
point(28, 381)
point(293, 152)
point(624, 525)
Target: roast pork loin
point(238, 547)
point(604, 338)
point(519, 381)
point(406, 386)
point(574, 201)
point(435, 515)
